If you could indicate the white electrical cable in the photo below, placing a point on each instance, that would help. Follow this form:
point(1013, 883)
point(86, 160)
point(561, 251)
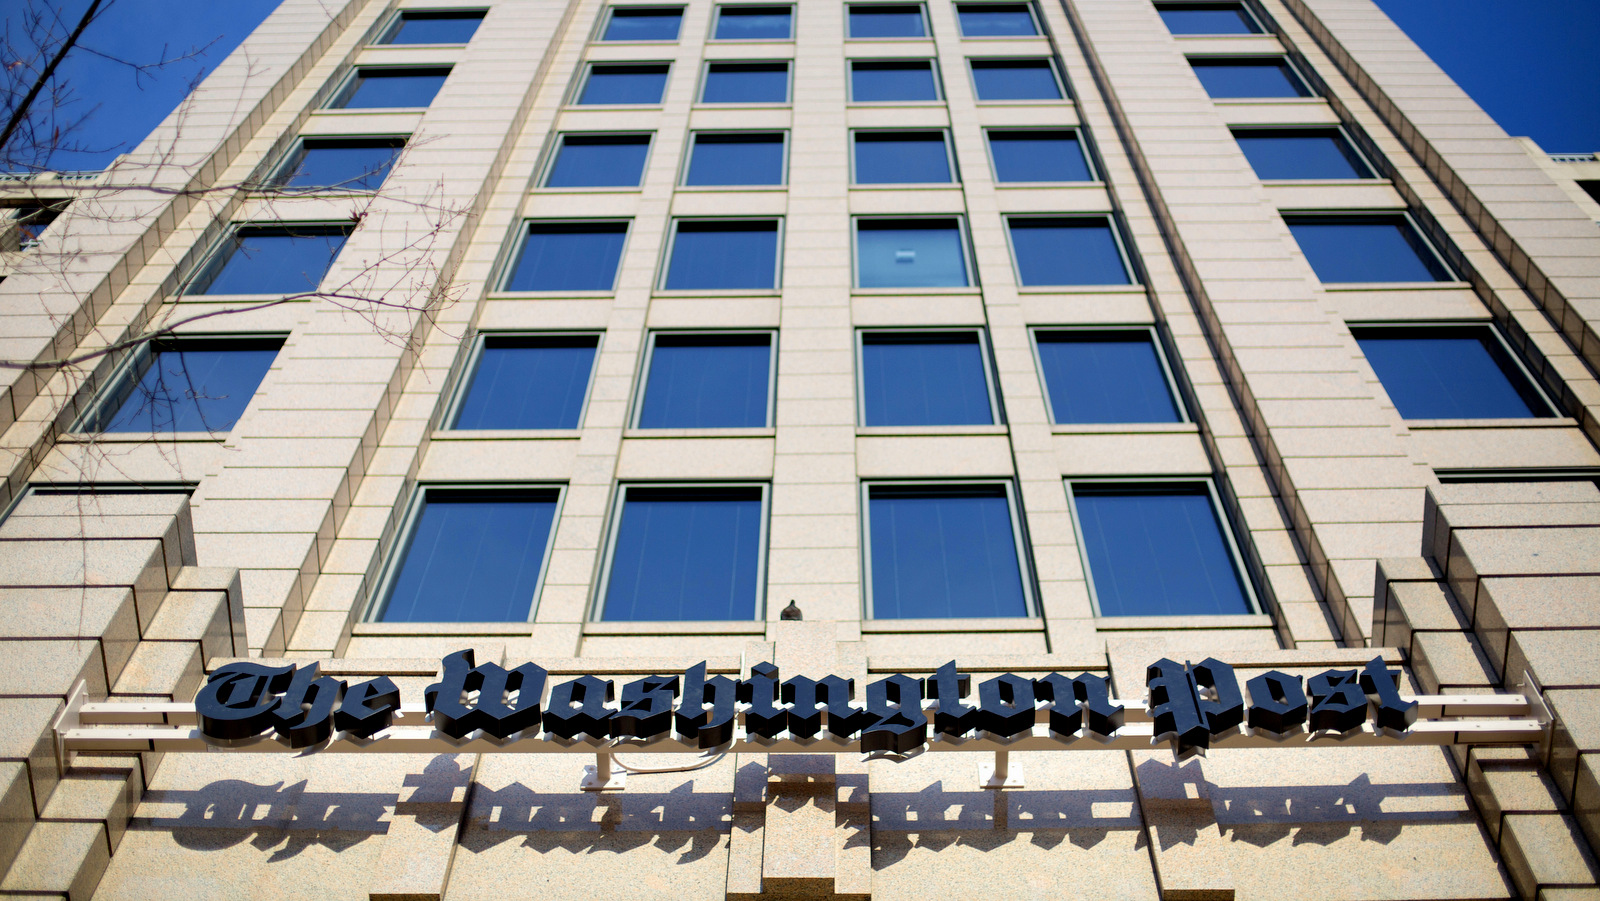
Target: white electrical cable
point(704, 762)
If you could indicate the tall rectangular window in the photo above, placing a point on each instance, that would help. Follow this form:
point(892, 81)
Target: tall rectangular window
point(270, 259)
point(716, 380)
point(1015, 79)
point(628, 83)
point(1034, 155)
point(996, 20)
point(887, 20)
point(1301, 153)
point(456, 26)
point(1207, 18)
point(568, 256)
point(471, 555)
point(643, 23)
point(1450, 372)
point(350, 164)
point(896, 81)
point(1067, 250)
point(1249, 77)
point(686, 552)
point(754, 23)
point(764, 82)
point(943, 550)
point(598, 161)
point(390, 87)
point(735, 158)
point(527, 382)
point(1159, 549)
point(723, 255)
point(1366, 247)
point(1105, 376)
point(902, 157)
point(189, 384)
point(925, 378)
point(910, 253)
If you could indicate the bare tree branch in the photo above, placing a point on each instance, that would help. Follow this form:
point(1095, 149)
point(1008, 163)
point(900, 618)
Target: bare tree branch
point(20, 113)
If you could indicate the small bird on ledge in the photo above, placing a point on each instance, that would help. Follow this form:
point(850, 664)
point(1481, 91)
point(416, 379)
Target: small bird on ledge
point(791, 612)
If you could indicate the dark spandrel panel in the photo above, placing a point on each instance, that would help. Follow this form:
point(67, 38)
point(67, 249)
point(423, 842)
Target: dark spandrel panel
point(901, 158)
point(755, 23)
point(1366, 249)
point(391, 88)
point(1462, 373)
point(271, 261)
point(344, 164)
point(736, 159)
point(1038, 156)
point(435, 27)
point(941, 554)
point(983, 20)
point(1248, 78)
point(528, 382)
point(1301, 153)
point(473, 557)
point(599, 161)
point(684, 554)
point(1207, 18)
point(707, 382)
point(924, 379)
point(610, 85)
point(1067, 251)
point(1105, 377)
point(569, 256)
point(896, 82)
point(724, 255)
point(746, 83)
point(1026, 79)
point(643, 24)
point(1156, 553)
point(910, 253)
point(193, 386)
point(887, 21)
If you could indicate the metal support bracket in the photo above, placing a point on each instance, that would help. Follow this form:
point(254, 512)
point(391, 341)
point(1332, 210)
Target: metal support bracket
point(68, 718)
point(1540, 710)
point(999, 773)
point(601, 777)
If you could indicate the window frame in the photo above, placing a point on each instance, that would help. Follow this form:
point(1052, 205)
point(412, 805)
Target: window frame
point(1245, 5)
point(705, 80)
point(963, 235)
point(1033, 13)
point(716, 20)
point(1135, 277)
point(392, 27)
point(469, 370)
point(613, 527)
point(672, 243)
point(209, 261)
point(347, 86)
point(389, 571)
point(933, 69)
point(524, 228)
point(1295, 74)
point(16, 219)
point(1055, 72)
point(581, 84)
point(949, 157)
point(922, 10)
point(1079, 138)
point(1433, 327)
point(1375, 174)
point(1355, 215)
point(1019, 536)
point(1154, 333)
point(991, 382)
point(636, 407)
point(277, 171)
point(688, 159)
point(603, 23)
point(548, 167)
point(129, 370)
point(1152, 485)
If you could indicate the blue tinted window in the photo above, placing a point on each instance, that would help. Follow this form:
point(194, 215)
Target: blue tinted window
point(892, 82)
point(1383, 248)
point(746, 83)
point(940, 552)
point(707, 382)
point(193, 385)
point(1080, 250)
point(1023, 79)
point(599, 161)
point(686, 553)
point(754, 23)
point(736, 159)
point(924, 378)
point(569, 256)
point(901, 20)
point(1158, 552)
point(351, 164)
point(1110, 376)
point(271, 260)
point(1038, 156)
point(390, 88)
point(1207, 18)
point(1252, 78)
point(643, 24)
point(1449, 373)
point(473, 556)
point(910, 253)
point(983, 20)
point(885, 158)
point(456, 27)
point(1301, 153)
point(722, 255)
point(624, 84)
point(528, 382)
